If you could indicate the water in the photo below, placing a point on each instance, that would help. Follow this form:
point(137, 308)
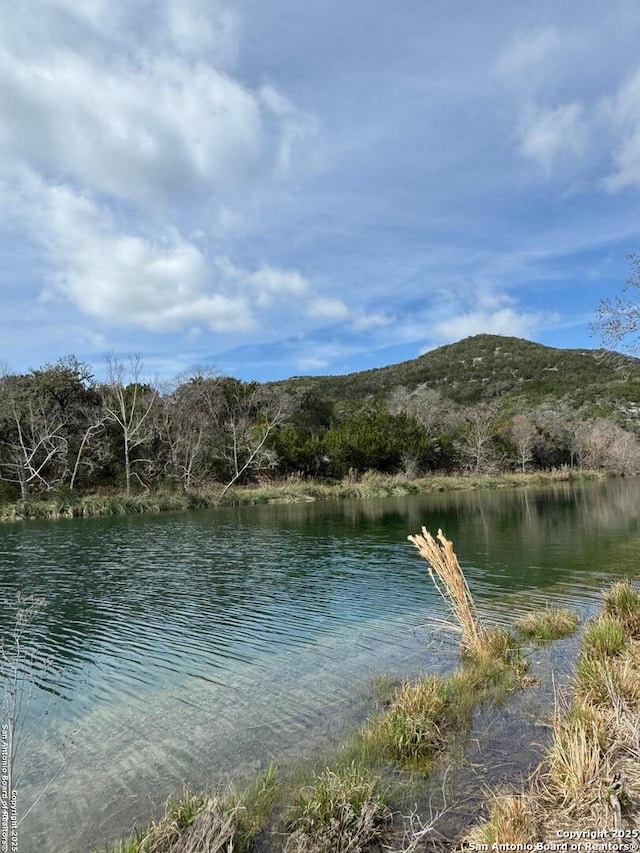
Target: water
point(196, 647)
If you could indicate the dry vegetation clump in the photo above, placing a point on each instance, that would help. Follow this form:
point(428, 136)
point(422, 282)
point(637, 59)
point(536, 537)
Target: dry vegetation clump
point(343, 811)
point(191, 824)
point(487, 653)
point(203, 823)
point(590, 775)
point(622, 602)
point(551, 623)
point(577, 769)
point(512, 820)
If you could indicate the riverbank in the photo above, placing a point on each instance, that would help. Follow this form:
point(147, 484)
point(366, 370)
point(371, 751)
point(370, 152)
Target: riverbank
point(292, 490)
point(586, 790)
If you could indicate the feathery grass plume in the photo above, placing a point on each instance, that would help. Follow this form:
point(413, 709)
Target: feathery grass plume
point(551, 623)
point(444, 567)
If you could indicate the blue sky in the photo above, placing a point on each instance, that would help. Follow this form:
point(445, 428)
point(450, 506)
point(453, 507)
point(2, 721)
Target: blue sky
point(282, 188)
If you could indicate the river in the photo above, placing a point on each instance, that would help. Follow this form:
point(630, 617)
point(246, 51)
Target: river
point(199, 646)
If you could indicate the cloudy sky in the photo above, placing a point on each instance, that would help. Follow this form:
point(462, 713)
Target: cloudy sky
point(285, 187)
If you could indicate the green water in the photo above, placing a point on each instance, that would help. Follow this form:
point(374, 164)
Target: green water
point(199, 646)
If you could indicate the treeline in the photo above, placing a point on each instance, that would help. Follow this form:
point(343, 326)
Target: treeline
point(60, 430)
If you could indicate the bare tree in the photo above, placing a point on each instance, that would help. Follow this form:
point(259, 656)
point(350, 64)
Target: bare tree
point(618, 320)
point(476, 441)
point(247, 416)
point(524, 434)
point(185, 426)
point(428, 406)
point(604, 444)
point(33, 442)
point(129, 407)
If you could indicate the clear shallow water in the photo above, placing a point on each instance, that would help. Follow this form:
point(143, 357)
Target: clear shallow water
point(195, 646)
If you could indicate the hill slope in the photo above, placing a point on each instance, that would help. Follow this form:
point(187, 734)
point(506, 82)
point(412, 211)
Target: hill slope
point(489, 366)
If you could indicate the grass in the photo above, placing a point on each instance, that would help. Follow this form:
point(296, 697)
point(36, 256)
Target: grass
point(590, 774)
point(421, 718)
point(577, 766)
point(551, 623)
point(208, 823)
point(512, 820)
point(292, 490)
point(622, 602)
point(603, 638)
point(342, 811)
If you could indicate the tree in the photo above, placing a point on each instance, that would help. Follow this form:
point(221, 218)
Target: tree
point(128, 407)
point(618, 320)
point(69, 385)
point(247, 416)
point(370, 437)
point(524, 434)
point(186, 424)
point(476, 442)
point(33, 439)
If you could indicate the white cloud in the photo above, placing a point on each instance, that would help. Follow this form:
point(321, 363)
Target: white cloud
point(159, 131)
point(328, 309)
point(528, 52)
point(505, 321)
point(150, 125)
point(266, 283)
point(545, 135)
point(622, 113)
point(206, 28)
point(160, 284)
point(363, 322)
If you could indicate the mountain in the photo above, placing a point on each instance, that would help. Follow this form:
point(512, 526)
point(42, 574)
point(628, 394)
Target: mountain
point(485, 367)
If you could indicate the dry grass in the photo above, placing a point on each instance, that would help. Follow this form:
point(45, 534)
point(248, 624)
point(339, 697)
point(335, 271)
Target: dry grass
point(193, 824)
point(203, 823)
point(574, 777)
point(343, 811)
point(449, 580)
point(590, 776)
point(512, 820)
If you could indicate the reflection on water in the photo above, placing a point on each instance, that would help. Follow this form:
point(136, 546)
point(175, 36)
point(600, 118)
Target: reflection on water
point(197, 645)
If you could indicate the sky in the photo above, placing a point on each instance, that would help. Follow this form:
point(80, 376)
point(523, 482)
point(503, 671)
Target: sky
point(281, 188)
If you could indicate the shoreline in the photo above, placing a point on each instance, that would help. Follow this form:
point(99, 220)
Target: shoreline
point(369, 485)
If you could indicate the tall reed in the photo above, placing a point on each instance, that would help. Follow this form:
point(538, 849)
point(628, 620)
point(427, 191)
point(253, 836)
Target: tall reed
point(448, 579)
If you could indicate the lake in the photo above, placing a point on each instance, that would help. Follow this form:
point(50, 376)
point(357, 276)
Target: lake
point(199, 646)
